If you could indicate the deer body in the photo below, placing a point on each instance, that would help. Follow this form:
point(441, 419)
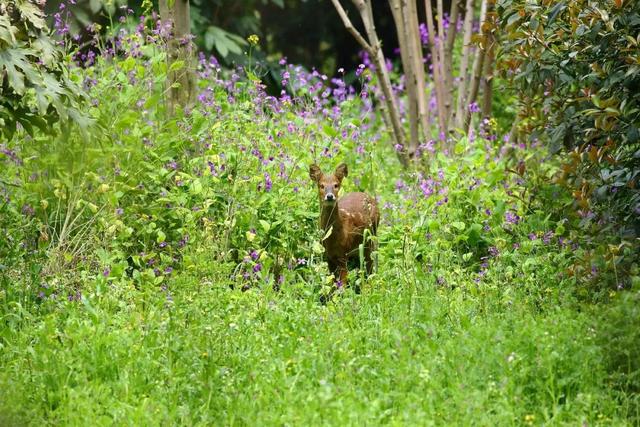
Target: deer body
point(347, 218)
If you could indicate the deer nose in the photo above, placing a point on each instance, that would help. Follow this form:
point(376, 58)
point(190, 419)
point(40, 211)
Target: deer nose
point(330, 197)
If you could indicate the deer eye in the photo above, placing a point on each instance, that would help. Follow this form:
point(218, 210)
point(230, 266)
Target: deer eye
point(335, 186)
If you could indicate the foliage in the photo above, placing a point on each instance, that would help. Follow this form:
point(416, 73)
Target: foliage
point(169, 269)
point(35, 90)
point(575, 65)
point(401, 353)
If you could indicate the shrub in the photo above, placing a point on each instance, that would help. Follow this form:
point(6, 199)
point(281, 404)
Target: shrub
point(35, 87)
point(575, 65)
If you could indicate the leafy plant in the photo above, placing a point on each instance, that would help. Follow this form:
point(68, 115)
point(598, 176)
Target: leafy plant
point(35, 89)
point(575, 65)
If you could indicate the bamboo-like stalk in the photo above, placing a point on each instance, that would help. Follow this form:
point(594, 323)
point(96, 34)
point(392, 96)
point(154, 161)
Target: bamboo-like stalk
point(461, 105)
point(372, 46)
point(487, 81)
point(477, 70)
point(451, 37)
point(182, 94)
point(415, 46)
point(349, 26)
point(435, 62)
point(397, 10)
point(383, 76)
point(442, 60)
point(487, 69)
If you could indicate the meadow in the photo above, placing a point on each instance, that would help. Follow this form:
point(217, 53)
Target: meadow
point(167, 270)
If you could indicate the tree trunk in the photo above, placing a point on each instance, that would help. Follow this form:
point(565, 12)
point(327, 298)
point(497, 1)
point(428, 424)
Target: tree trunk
point(461, 105)
point(181, 82)
point(405, 16)
point(372, 46)
point(435, 63)
point(410, 81)
point(451, 37)
point(487, 70)
point(477, 71)
point(415, 47)
point(442, 61)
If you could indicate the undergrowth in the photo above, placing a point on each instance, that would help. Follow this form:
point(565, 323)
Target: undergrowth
point(168, 270)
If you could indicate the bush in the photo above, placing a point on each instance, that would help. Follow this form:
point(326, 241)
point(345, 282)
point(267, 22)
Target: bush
point(35, 88)
point(575, 65)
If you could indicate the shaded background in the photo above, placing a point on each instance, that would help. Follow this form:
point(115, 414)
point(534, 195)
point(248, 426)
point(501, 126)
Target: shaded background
point(306, 32)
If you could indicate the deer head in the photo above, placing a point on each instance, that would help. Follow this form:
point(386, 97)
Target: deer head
point(328, 185)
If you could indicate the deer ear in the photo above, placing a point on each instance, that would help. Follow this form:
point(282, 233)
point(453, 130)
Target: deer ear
point(341, 171)
point(315, 173)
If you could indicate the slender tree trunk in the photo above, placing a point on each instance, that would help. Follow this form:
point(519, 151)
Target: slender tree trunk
point(451, 37)
point(435, 63)
point(442, 61)
point(397, 9)
point(461, 105)
point(383, 76)
point(474, 85)
point(487, 81)
point(372, 46)
point(415, 46)
point(478, 64)
point(181, 82)
point(487, 69)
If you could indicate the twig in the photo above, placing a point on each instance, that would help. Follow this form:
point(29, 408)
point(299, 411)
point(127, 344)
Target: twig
point(349, 26)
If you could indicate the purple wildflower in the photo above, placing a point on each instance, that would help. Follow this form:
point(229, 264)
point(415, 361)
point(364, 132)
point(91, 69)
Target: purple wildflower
point(268, 183)
point(511, 218)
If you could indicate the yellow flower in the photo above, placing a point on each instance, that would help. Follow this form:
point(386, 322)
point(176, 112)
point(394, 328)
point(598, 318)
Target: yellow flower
point(253, 39)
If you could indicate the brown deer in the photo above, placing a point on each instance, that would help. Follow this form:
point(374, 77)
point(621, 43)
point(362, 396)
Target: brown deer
point(345, 220)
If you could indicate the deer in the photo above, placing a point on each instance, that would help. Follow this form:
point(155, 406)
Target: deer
point(343, 222)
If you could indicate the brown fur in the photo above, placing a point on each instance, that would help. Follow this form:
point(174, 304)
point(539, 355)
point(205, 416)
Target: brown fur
point(347, 217)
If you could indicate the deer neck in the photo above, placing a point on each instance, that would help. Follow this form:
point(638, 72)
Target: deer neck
point(330, 217)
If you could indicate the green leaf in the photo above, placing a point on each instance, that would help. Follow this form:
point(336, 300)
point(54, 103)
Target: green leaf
point(33, 14)
point(555, 11)
point(7, 31)
point(327, 234)
point(196, 186)
point(459, 225)
point(223, 41)
point(176, 65)
point(330, 131)
point(474, 234)
point(95, 6)
point(317, 248)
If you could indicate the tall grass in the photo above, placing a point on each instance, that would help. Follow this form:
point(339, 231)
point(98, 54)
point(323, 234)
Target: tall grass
point(168, 270)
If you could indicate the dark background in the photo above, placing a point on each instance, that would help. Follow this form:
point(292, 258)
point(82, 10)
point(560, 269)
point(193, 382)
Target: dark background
point(307, 32)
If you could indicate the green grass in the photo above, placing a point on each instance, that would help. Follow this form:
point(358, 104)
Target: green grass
point(399, 354)
point(476, 316)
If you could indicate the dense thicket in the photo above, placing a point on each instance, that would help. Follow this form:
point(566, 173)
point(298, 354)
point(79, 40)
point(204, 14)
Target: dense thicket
point(576, 66)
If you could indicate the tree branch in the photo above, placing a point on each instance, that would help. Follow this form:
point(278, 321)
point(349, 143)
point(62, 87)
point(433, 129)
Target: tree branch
point(349, 26)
